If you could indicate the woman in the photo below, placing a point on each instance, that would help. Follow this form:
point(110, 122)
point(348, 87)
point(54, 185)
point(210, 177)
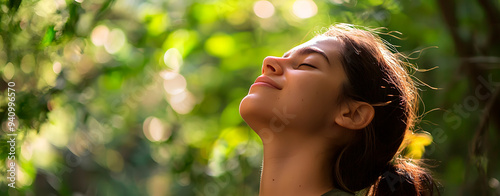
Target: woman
point(332, 114)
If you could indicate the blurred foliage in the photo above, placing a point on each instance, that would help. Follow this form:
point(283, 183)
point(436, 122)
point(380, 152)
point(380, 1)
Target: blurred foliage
point(132, 97)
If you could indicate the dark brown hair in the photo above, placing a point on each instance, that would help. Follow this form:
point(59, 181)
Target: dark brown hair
point(373, 162)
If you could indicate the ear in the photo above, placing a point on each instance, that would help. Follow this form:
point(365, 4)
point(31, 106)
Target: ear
point(355, 115)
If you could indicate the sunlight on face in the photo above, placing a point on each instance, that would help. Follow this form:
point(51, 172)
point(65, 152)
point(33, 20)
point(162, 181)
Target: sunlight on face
point(297, 91)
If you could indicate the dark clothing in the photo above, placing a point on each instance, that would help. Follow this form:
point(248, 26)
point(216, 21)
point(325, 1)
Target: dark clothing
point(337, 192)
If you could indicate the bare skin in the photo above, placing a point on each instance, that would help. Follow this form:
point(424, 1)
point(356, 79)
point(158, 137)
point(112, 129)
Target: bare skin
point(296, 170)
point(295, 108)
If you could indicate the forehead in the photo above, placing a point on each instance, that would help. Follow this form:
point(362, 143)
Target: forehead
point(329, 45)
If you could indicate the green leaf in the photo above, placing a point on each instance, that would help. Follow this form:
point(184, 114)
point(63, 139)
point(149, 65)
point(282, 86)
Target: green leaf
point(48, 37)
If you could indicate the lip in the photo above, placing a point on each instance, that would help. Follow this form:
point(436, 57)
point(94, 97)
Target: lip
point(266, 81)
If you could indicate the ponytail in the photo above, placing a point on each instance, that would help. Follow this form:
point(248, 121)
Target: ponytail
point(404, 177)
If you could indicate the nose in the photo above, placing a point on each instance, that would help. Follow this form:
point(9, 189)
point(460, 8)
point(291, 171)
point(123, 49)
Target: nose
point(271, 65)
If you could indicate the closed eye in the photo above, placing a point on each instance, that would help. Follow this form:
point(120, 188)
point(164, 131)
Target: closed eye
point(309, 65)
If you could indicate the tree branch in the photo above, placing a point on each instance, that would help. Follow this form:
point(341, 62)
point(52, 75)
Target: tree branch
point(448, 10)
point(493, 17)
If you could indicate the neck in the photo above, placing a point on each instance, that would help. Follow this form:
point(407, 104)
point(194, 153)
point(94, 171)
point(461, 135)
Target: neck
point(296, 167)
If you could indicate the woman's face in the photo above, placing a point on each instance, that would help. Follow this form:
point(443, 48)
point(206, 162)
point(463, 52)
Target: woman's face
point(298, 91)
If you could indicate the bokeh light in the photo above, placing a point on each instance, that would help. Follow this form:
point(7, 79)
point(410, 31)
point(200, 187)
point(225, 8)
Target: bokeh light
point(56, 67)
point(114, 41)
point(220, 45)
point(182, 102)
point(305, 8)
point(43, 153)
point(27, 62)
point(173, 59)
point(44, 8)
point(8, 71)
point(174, 83)
point(99, 35)
point(263, 9)
point(155, 130)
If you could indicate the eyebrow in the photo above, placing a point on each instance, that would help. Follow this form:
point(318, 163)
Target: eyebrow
point(309, 50)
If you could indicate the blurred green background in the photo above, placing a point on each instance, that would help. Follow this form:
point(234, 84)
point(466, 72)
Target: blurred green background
point(133, 97)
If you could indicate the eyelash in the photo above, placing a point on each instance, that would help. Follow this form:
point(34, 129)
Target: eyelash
point(308, 65)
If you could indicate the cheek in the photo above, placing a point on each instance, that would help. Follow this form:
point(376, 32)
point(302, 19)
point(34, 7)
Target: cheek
point(312, 100)
point(313, 89)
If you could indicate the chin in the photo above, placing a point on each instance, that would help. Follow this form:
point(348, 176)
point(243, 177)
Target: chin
point(246, 109)
point(254, 112)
